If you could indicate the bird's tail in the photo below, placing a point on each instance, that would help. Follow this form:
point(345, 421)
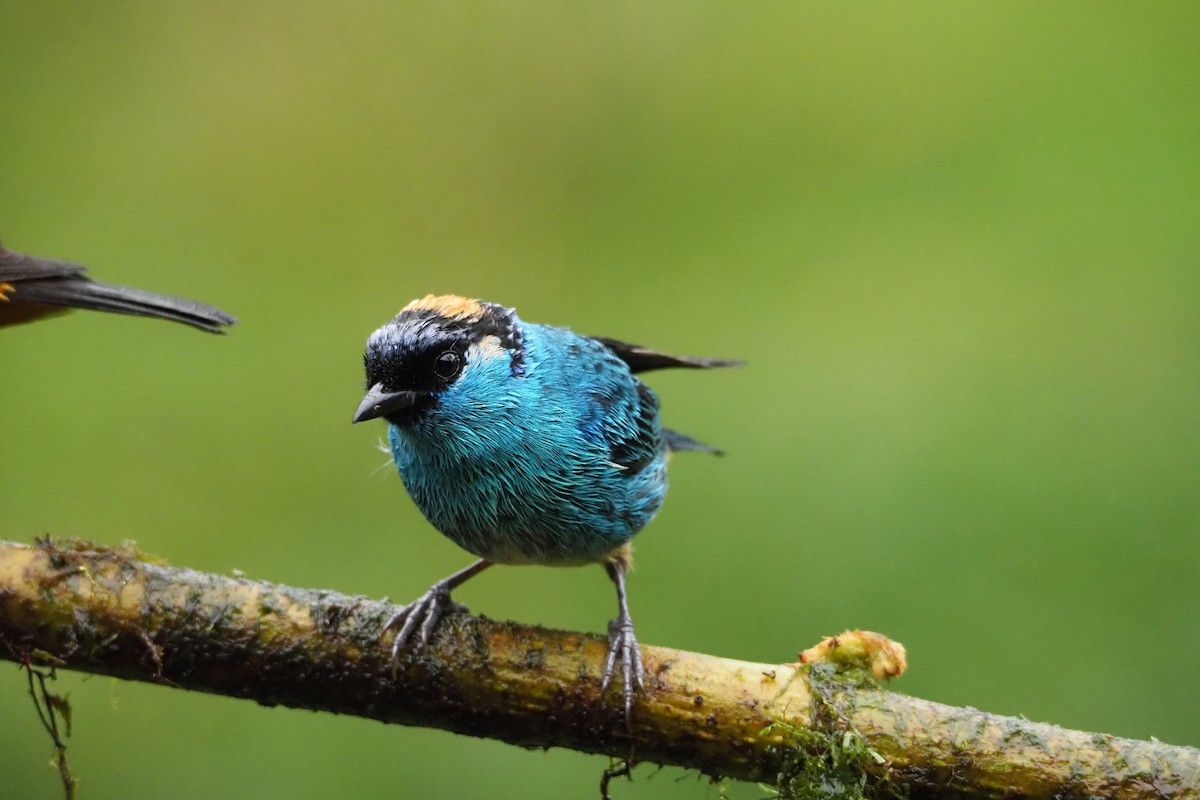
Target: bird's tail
point(681, 441)
point(78, 292)
point(643, 359)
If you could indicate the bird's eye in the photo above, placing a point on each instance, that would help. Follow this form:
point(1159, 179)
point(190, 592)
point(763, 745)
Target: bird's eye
point(447, 365)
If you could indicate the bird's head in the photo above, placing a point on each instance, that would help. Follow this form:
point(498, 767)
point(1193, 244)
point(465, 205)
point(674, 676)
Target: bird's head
point(432, 349)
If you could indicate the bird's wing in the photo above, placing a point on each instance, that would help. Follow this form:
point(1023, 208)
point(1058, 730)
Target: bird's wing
point(628, 419)
point(643, 359)
point(633, 436)
point(616, 411)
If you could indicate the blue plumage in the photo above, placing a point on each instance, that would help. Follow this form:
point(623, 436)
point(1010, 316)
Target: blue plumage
point(561, 466)
point(522, 443)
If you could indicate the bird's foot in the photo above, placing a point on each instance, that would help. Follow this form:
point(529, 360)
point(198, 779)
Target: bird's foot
point(420, 617)
point(623, 647)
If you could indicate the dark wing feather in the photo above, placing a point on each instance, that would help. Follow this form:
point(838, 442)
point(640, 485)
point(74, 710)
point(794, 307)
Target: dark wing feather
point(45, 282)
point(616, 410)
point(643, 359)
point(635, 443)
point(640, 359)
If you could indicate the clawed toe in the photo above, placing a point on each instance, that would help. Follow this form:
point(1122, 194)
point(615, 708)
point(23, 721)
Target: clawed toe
point(623, 647)
point(422, 615)
point(419, 617)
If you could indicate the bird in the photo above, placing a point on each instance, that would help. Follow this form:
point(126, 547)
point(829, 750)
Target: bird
point(33, 288)
point(524, 444)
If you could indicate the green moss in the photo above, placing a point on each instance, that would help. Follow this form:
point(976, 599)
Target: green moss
point(830, 759)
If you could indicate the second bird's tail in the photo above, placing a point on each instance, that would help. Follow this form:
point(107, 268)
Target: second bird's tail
point(80, 292)
point(32, 287)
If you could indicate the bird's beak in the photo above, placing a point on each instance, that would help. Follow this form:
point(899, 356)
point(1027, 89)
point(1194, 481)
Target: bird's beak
point(380, 402)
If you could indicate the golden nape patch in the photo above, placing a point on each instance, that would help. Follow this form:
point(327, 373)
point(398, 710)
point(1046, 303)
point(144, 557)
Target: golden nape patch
point(451, 306)
point(5, 288)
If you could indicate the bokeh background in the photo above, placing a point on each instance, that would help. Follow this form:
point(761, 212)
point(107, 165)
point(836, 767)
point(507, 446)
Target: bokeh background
point(957, 243)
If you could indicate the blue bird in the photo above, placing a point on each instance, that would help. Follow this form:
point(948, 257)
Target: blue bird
point(524, 444)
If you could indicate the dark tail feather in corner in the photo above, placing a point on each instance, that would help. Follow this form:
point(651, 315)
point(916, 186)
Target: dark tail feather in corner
point(78, 292)
point(32, 287)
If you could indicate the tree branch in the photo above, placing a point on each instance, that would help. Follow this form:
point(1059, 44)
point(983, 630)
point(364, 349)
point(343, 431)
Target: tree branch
point(110, 611)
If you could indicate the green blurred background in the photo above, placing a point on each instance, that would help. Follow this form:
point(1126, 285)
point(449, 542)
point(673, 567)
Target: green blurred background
point(958, 244)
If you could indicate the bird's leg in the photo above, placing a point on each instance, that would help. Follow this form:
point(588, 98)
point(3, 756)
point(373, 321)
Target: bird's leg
point(622, 645)
point(422, 614)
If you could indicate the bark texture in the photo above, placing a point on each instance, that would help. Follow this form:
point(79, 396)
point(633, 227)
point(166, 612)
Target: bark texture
point(808, 729)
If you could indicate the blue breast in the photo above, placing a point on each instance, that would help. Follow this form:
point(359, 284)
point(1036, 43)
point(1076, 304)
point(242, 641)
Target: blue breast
point(561, 465)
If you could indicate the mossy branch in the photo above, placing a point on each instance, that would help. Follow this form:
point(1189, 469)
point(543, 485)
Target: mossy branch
point(806, 729)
